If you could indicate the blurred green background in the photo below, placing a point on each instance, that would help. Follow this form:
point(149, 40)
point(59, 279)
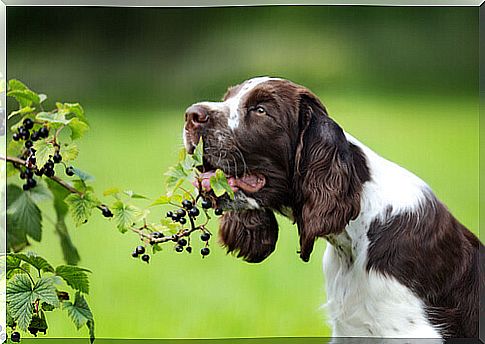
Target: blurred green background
point(402, 80)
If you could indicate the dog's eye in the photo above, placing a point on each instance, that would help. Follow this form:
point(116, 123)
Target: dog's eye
point(260, 110)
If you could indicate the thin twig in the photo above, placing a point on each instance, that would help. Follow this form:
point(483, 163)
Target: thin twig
point(64, 184)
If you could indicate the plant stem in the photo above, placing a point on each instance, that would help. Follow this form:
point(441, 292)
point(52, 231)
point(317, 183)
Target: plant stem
point(64, 184)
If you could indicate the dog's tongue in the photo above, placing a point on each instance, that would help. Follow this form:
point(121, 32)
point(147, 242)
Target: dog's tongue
point(249, 183)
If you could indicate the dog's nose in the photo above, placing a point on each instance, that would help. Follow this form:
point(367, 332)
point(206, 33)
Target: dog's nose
point(196, 115)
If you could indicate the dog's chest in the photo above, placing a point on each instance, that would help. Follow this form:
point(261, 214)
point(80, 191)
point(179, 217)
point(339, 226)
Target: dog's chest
point(361, 303)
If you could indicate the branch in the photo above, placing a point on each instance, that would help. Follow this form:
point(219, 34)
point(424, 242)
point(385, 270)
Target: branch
point(64, 184)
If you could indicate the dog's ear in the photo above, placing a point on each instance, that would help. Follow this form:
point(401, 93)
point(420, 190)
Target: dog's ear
point(327, 187)
point(251, 234)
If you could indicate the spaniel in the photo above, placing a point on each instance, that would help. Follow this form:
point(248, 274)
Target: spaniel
point(397, 263)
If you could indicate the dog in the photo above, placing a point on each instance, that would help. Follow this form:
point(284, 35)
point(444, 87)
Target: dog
point(397, 263)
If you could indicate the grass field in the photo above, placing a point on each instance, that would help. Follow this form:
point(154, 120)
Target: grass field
point(183, 296)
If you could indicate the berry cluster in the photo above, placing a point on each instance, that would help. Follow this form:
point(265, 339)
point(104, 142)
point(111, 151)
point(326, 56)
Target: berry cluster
point(188, 213)
point(26, 133)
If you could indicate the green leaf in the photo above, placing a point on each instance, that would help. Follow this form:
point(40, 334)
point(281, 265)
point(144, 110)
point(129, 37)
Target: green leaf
point(35, 260)
point(161, 200)
point(42, 97)
point(75, 277)
point(40, 193)
point(198, 153)
point(52, 117)
point(16, 85)
point(21, 111)
point(20, 297)
point(45, 291)
point(12, 264)
point(69, 152)
point(131, 194)
point(84, 176)
point(175, 177)
point(74, 109)
point(23, 212)
point(24, 97)
point(43, 151)
point(70, 253)
point(81, 206)
point(156, 248)
point(79, 311)
point(111, 191)
point(220, 185)
point(78, 128)
point(125, 215)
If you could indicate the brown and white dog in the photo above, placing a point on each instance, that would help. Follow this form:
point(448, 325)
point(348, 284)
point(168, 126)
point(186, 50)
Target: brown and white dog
point(398, 264)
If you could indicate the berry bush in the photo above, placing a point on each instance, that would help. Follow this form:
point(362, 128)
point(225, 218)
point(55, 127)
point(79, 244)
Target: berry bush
point(41, 167)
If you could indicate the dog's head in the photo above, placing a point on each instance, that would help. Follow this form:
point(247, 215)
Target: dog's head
point(280, 150)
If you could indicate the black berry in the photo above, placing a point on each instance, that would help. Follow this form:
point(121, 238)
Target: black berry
point(206, 204)
point(16, 136)
point(35, 136)
point(44, 132)
point(188, 249)
point(57, 157)
point(169, 214)
point(49, 164)
point(70, 171)
point(39, 172)
point(218, 211)
point(106, 212)
point(205, 251)
point(15, 337)
point(145, 258)
point(194, 212)
point(205, 236)
point(182, 221)
point(187, 204)
point(28, 123)
point(182, 242)
point(134, 254)
point(28, 144)
point(181, 213)
point(140, 249)
point(49, 172)
point(23, 175)
point(31, 183)
point(25, 135)
point(157, 235)
point(29, 173)
point(179, 248)
point(25, 187)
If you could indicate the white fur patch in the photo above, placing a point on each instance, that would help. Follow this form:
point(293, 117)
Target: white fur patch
point(369, 304)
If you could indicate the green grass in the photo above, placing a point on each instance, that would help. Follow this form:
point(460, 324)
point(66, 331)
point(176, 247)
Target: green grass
point(184, 296)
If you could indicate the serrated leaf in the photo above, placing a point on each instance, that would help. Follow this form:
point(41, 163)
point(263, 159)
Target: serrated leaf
point(23, 212)
point(14, 84)
point(20, 297)
point(125, 215)
point(220, 185)
point(79, 311)
point(198, 153)
point(175, 177)
point(111, 191)
point(45, 291)
point(132, 194)
point(52, 117)
point(43, 151)
point(84, 176)
point(40, 193)
point(81, 206)
point(69, 251)
point(161, 200)
point(24, 97)
point(21, 111)
point(78, 128)
point(69, 152)
point(75, 277)
point(35, 260)
point(74, 109)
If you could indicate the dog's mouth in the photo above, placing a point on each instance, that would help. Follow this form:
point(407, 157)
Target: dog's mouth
point(249, 183)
